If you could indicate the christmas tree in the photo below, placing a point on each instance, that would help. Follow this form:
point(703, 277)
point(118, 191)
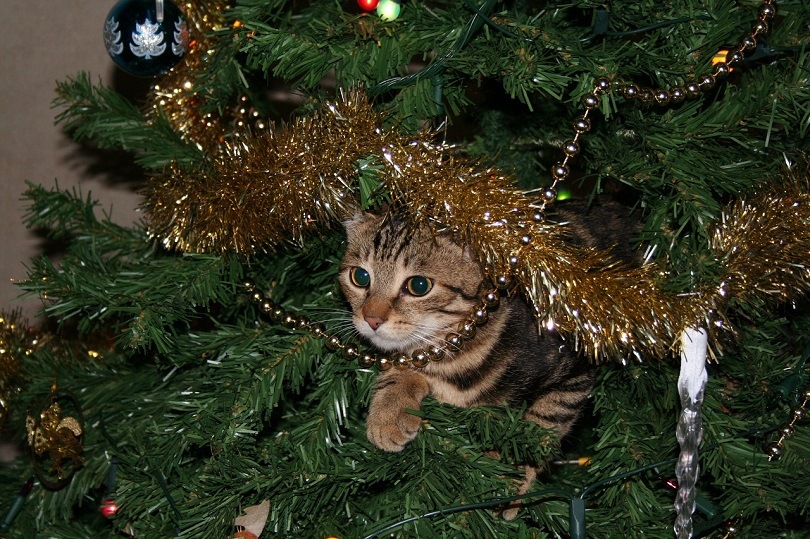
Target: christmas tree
point(193, 370)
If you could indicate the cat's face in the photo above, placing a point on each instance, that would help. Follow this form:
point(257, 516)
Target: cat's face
point(406, 289)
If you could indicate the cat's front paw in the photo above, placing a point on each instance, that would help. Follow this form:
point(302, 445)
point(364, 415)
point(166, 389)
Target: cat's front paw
point(392, 431)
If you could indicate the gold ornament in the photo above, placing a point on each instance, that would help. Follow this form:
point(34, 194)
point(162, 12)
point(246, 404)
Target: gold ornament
point(58, 438)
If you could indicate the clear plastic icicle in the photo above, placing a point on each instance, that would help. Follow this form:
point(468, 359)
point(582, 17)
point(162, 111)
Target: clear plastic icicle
point(689, 431)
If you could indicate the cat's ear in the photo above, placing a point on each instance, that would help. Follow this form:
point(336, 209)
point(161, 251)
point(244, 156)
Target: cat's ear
point(356, 218)
point(468, 254)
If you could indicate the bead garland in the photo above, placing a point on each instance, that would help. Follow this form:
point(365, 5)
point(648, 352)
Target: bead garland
point(490, 298)
point(453, 341)
point(648, 96)
point(774, 449)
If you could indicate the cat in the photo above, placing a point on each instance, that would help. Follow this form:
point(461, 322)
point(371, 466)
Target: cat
point(408, 288)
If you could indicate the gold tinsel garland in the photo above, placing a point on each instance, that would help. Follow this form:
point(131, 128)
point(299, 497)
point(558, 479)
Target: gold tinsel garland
point(175, 96)
point(278, 186)
point(17, 340)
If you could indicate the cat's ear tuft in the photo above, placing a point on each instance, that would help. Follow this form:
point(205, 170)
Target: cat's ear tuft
point(357, 218)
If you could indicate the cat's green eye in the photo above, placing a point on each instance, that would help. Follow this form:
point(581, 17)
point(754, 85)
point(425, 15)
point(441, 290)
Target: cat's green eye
point(418, 285)
point(359, 277)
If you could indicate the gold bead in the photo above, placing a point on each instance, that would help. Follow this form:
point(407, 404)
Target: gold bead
point(760, 27)
point(748, 43)
point(662, 97)
point(692, 89)
point(249, 285)
point(799, 413)
point(721, 70)
point(289, 320)
point(601, 85)
point(333, 343)
point(538, 216)
point(503, 282)
point(436, 353)
point(383, 363)
point(479, 316)
point(256, 296)
point(525, 239)
point(366, 360)
point(302, 323)
point(466, 330)
point(277, 314)
point(420, 359)
point(630, 91)
point(571, 148)
point(646, 96)
point(402, 362)
point(677, 94)
point(774, 451)
point(319, 330)
point(550, 195)
point(266, 305)
point(491, 298)
point(707, 82)
point(734, 57)
point(513, 260)
point(590, 102)
point(560, 171)
point(767, 12)
point(453, 341)
point(582, 125)
point(787, 431)
point(350, 352)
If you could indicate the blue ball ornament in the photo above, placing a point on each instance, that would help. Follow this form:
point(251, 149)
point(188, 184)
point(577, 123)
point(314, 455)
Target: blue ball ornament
point(145, 37)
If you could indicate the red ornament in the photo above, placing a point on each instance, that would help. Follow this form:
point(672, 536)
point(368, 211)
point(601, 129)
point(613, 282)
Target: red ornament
point(108, 507)
point(368, 5)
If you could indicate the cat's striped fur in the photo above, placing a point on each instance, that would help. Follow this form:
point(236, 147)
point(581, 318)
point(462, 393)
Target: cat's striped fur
point(508, 361)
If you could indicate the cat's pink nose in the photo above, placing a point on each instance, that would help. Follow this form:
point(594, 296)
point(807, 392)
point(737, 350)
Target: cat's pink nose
point(374, 321)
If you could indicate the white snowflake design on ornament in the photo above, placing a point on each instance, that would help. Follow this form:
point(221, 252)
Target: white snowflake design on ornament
point(147, 40)
point(180, 45)
point(112, 37)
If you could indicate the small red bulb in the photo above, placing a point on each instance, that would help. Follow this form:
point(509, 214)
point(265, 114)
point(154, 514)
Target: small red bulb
point(108, 507)
point(368, 5)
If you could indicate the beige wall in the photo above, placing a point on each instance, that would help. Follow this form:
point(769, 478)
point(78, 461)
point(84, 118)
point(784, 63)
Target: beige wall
point(42, 41)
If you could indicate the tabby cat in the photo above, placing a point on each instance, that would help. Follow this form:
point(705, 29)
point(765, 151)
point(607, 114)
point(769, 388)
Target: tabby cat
point(408, 288)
